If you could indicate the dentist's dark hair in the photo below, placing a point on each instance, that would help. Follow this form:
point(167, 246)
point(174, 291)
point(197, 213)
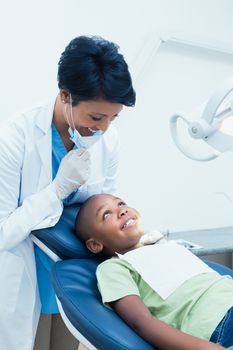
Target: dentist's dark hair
point(91, 68)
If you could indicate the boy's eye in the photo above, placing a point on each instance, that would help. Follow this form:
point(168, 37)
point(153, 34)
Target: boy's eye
point(106, 214)
point(121, 203)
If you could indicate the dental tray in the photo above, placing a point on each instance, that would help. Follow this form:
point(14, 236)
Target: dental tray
point(187, 244)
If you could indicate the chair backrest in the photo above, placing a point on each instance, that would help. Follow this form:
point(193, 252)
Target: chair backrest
point(221, 269)
point(75, 286)
point(61, 238)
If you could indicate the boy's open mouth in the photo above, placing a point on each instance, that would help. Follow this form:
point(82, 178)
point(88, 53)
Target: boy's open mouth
point(129, 222)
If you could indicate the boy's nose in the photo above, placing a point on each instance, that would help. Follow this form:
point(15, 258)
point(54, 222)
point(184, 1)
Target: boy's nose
point(123, 211)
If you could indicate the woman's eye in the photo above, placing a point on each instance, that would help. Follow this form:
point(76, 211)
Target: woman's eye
point(96, 119)
point(121, 203)
point(106, 214)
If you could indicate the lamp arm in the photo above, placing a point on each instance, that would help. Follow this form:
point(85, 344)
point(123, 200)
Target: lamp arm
point(187, 153)
point(216, 99)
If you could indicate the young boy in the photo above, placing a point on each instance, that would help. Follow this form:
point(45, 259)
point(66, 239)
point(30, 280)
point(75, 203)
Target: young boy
point(194, 316)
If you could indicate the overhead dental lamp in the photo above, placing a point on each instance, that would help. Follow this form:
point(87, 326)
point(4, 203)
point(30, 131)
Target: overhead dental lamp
point(215, 126)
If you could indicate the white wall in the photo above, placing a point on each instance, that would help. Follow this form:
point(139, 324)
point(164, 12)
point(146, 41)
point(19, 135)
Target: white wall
point(170, 191)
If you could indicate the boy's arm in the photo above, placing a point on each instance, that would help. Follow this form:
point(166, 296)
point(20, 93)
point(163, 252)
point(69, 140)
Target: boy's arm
point(134, 312)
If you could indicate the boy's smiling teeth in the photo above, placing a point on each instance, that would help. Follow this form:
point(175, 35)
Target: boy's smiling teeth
point(129, 222)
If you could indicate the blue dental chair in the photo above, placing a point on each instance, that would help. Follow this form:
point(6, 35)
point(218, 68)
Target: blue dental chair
point(74, 281)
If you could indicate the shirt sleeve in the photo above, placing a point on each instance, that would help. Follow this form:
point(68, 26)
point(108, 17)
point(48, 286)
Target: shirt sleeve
point(115, 281)
point(38, 210)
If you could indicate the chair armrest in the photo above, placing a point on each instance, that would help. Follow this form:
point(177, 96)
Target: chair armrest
point(45, 249)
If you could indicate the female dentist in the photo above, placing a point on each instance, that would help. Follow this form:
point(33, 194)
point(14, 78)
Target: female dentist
point(50, 156)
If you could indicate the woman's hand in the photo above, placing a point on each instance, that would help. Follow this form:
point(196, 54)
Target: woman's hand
point(73, 172)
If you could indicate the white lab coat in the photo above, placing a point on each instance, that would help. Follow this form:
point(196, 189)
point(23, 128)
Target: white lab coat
point(26, 203)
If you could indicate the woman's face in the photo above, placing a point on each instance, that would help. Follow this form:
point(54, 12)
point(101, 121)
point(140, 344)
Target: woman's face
point(90, 116)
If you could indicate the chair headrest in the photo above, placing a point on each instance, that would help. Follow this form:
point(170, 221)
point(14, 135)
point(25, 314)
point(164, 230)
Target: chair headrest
point(61, 238)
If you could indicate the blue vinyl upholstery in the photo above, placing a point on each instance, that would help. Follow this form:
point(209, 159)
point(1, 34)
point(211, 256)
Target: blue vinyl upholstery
point(75, 285)
point(223, 270)
point(74, 282)
point(61, 239)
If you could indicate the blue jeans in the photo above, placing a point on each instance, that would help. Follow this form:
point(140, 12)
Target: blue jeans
point(223, 334)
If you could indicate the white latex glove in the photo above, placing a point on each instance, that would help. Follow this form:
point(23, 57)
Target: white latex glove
point(73, 172)
point(153, 237)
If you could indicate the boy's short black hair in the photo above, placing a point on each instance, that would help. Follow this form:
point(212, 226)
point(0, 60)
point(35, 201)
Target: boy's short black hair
point(91, 68)
point(80, 225)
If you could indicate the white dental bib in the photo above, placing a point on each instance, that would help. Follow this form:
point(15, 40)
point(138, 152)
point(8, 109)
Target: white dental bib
point(165, 267)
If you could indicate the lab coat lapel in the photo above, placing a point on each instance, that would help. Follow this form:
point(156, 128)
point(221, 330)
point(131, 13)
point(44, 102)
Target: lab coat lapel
point(44, 148)
point(44, 145)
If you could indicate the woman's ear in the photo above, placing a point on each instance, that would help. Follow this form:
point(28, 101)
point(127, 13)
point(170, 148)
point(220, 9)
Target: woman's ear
point(64, 95)
point(94, 246)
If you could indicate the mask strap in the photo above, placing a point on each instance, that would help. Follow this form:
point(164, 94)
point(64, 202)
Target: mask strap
point(66, 115)
point(71, 113)
point(71, 125)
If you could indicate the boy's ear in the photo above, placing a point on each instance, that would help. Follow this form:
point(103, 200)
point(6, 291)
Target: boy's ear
point(94, 246)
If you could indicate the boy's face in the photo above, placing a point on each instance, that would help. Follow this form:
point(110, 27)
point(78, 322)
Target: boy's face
point(115, 225)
